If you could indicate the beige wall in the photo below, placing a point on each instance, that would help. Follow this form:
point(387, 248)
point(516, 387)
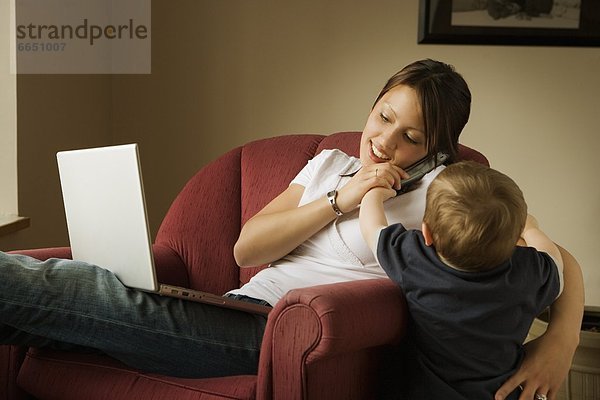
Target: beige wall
point(226, 72)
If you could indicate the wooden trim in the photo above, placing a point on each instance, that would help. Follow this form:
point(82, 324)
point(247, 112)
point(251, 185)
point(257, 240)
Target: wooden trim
point(12, 223)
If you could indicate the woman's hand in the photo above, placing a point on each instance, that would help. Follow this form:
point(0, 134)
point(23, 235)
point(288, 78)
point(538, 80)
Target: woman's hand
point(383, 175)
point(544, 368)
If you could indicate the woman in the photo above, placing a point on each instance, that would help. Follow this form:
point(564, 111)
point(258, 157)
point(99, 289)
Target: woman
point(421, 111)
point(393, 138)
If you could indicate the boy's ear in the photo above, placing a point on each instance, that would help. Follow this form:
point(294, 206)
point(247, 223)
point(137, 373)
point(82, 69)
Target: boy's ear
point(427, 234)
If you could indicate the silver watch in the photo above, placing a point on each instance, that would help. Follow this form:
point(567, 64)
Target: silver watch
point(332, 196)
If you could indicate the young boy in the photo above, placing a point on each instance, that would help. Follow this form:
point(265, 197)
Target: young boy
point(472, 294)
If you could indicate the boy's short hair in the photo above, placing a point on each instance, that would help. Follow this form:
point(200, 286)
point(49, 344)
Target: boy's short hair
point(475, 214)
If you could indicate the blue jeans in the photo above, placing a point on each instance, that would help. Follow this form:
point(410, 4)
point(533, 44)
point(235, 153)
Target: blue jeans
point(72, 305)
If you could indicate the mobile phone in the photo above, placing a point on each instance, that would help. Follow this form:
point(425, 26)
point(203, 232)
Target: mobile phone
point(420, 169)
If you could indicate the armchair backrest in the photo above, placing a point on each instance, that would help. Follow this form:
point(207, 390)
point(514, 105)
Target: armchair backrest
point(205, 219)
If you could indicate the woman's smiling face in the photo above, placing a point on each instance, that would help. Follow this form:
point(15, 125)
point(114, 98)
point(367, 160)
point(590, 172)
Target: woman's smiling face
point(395, 130)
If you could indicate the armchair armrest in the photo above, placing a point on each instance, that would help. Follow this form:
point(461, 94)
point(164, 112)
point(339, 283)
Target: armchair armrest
point(324, 341)
point(46, 253)
point(170, 269)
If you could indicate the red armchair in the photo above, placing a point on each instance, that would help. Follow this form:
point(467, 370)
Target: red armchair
point(322, 342)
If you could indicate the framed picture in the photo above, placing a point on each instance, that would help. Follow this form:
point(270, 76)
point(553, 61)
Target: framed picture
point(510, 22)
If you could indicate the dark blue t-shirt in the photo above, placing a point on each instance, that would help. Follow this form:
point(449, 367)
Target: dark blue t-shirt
point(466, 329)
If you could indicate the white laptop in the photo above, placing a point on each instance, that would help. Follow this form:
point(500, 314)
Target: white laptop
point(106, 215)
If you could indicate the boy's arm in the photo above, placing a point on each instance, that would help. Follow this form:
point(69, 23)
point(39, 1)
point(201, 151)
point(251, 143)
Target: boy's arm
point(548, 358)
point(372, 218)
point(535, 237)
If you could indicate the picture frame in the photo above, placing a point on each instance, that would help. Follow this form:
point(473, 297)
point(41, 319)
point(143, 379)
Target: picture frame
point(480, 22)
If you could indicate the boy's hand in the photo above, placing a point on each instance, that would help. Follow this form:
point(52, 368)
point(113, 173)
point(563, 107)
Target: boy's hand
point(369, 177)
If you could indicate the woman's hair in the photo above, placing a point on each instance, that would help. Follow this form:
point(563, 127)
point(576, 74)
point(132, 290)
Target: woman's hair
point(475, 215)
point(445, 102)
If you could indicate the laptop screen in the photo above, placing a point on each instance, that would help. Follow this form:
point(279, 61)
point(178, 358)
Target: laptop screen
point(106, 214)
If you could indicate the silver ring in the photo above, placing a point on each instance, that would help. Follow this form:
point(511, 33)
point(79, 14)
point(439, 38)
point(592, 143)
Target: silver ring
point(539, 396)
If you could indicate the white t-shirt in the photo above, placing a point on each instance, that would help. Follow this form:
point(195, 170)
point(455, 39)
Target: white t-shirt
point(337, 253)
